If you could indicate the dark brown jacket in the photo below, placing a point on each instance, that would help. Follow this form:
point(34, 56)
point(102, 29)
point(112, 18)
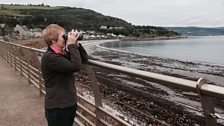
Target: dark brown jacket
point(58, 74)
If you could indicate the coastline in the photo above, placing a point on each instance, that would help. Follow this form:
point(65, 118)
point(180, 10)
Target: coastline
point(39, 42)
point(152, 38)
point(187, 70)
point(171, 67)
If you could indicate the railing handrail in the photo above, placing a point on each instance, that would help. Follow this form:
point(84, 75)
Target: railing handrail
point(187, 85)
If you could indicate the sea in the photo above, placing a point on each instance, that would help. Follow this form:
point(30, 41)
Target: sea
point(202, 49)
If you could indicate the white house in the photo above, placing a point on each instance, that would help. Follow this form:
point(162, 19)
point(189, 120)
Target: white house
point(2, 25)
point(103, 27)
point(91, 32)
point(121, 36)
point(117, 28)
point(92, 36)
point(23, 31)
point(111, 35)
point(36, 32)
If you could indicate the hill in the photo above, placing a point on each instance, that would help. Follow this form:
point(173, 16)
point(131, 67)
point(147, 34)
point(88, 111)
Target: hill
point(71, 17)
point(198, 31)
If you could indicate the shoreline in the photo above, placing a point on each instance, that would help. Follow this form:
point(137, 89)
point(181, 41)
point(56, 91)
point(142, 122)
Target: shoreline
point(152, 38)
point(178, 68)
point(171, 67)
point(39, 42)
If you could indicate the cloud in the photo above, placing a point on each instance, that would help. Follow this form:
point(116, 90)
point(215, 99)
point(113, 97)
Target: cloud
point(150, 12)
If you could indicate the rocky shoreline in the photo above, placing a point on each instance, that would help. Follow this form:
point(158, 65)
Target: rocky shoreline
point(181, 69)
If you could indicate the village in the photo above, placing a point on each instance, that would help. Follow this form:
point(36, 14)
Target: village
point(22, 32)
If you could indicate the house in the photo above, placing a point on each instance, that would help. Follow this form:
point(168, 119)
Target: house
point(86, 36)
point(23, 31)
point(111, 35)
point(36, 32)
point(98, 36)
point(103, 27)
point(2, 25)
point(116, 28)
point(121, 36)
point(91, 32)
point(92, 36)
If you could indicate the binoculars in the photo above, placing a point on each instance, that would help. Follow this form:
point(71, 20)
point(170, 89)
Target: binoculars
point(65, 36)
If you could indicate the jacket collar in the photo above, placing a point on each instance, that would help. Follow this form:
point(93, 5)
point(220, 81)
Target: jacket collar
point(56, 50)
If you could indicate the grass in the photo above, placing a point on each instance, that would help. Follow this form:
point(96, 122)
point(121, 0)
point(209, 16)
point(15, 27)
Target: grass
point(20, 7)
point(13, 10)
point(11, 13)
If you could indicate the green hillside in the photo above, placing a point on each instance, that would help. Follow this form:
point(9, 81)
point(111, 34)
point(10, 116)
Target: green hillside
point(78, 18)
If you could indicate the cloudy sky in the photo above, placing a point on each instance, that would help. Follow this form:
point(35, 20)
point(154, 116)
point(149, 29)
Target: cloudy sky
point(206, 13)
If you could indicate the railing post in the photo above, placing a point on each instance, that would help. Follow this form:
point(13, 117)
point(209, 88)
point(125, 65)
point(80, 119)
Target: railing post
point(10, 54)
point(20, 61)
point(15, 53)
point(28, 65)
point(39, 74)
point(207, 104)
point(40, 84)
point(7, 50)
point(3, 49)
point(96, 91)
point(1, 46)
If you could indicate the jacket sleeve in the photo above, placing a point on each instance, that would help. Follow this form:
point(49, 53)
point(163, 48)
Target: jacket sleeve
point(59, 63)
point(83, 54)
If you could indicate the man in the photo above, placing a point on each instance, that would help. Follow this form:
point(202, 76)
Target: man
point(58, 67)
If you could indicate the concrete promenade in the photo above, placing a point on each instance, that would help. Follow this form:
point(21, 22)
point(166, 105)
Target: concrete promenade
point(20, 104)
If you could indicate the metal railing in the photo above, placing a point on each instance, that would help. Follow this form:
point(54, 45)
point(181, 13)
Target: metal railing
point(93, 112)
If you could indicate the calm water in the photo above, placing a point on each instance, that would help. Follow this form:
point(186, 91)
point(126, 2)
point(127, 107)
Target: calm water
point(209, 49)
